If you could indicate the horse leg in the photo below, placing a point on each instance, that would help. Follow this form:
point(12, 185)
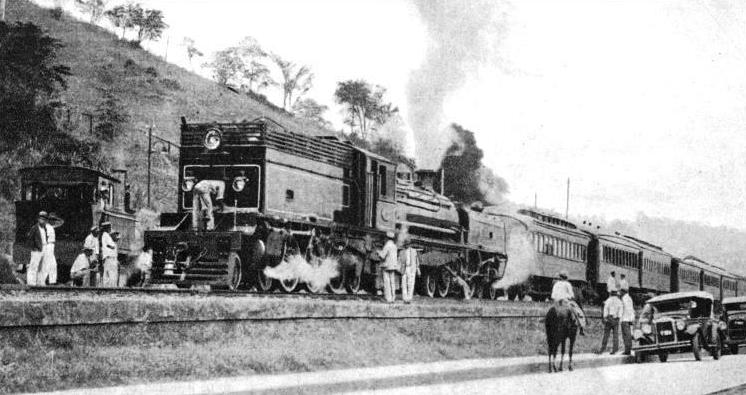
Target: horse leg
point(562, 356)
point(572, 345)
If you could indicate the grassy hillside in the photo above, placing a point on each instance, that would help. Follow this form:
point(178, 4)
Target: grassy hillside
point(142, 89)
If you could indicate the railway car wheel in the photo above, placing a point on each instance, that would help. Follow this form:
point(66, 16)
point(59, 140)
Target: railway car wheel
point(234, 272)
point(353, 283)
point(491, 292)
point(431, 284)
point(337, 284)
point(444, 284)
point(288, 285)
point(263, 283)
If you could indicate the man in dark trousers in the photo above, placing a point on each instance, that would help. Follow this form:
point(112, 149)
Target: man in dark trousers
point(612, 313)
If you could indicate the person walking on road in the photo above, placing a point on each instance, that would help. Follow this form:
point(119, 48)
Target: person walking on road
point(109, 254)
point(628, 319)
point(611, 315)
point(37, 236)
point(562, 293)
point(390, 267)
point(410, 269)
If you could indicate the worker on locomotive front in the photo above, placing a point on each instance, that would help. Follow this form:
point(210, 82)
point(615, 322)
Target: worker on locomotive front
point(390, 267)
point(562, 293)
point(202, 207)
point(109, 254)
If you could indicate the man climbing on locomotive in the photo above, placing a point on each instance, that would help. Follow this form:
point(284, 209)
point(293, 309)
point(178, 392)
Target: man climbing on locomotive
point(562, 293)
point(202, 207)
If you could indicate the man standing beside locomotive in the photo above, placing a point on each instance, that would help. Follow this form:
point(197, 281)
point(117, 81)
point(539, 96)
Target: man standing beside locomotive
point(202, 202)
point(390, 267)
point(109, 255)
point(410, 268)
point(612, 313)
point(48, 269)
point(628, 319)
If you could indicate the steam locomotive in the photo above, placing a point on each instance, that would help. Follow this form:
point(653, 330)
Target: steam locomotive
point(318, 197)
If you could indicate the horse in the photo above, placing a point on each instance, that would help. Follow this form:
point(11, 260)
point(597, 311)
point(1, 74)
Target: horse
point(560, 326)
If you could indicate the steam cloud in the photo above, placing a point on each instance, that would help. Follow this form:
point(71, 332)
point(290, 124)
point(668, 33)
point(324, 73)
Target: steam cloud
point(296, 266)
point(521, 259)
point(458, 40)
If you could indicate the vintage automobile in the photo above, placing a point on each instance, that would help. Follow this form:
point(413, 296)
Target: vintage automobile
point(734, 316)
point(678, 322)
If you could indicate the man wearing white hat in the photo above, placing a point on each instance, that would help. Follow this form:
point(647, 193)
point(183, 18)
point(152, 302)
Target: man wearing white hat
point(390, 267)
point(49, 262)
point(109, 255)
point(562, 293)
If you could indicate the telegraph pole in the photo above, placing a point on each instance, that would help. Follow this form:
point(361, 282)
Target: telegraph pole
point(536, 200)
point(567, 205)
point(150, 151)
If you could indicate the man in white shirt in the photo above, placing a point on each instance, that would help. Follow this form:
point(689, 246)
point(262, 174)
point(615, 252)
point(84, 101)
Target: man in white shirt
point(562, 293)
point(611, 283)
point(109, 255)
point(410, 268)
point(623, 284)
point(80, 273)
point(48, 270)
point(611, 315)
point(628, 319)
point(202, 202)
point(390, 268)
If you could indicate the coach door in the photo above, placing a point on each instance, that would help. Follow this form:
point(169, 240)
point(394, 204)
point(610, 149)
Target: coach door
point(371, 189)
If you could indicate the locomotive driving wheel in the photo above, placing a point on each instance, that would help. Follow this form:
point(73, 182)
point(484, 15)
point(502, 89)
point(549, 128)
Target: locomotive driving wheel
point(492, 275)
point(234, 272)
point(337, 284)
point(431, 283)
point(263, 283)
point(288, 285)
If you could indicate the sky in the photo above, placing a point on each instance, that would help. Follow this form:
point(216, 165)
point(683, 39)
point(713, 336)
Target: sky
point(641, 104)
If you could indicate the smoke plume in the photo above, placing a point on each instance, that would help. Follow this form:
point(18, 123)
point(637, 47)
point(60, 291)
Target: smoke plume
point(521, 259)
point(295, 266)
point(458, 32)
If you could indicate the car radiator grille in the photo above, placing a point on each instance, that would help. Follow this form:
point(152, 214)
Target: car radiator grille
point(737, 329)
point(665, 332)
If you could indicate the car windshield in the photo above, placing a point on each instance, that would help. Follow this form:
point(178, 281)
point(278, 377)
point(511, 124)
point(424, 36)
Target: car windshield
point(688, 307)
point(735, 306)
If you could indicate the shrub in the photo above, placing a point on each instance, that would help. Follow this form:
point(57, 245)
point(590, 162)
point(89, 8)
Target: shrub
point(152, 72)
point(56, 13)
point(172, 84)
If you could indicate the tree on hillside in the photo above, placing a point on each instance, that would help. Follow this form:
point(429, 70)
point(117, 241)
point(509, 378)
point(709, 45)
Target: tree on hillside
point(95, 8)
point(312, 110)
point(226, 67)
point(365, 106)
point(150, 24)
point(192, 50)
point(296, 80)
point(121, 17)
point(255, 72)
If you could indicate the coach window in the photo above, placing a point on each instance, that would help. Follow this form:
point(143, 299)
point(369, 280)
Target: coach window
point(289, 195)
point(383, 187)
point(345, 195)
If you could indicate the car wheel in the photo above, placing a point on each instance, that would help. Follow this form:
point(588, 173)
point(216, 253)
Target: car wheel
point(697, 347)
point(734, 349)
point(663, 357)
point(639, 357)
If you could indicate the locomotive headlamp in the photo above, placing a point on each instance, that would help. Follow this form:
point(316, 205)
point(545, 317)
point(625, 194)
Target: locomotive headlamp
point(213, 138)
point(722, 325)
point(239, 183)
point(187, 184)
point(637, 334)
point(680, 325)
point(647, 329)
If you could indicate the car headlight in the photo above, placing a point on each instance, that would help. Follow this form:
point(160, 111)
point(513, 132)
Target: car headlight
point(637, 334)
point(188, 184)
point(680, 325)
point(646, 329)
point(722, 325)
point(213, 138)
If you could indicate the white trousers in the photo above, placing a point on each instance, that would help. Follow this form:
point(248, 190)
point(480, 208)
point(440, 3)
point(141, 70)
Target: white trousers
point(407, 283)
point(201, 207)
point(111, 272)
point(48, 270)
point(389, 285)
point(32, 270)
